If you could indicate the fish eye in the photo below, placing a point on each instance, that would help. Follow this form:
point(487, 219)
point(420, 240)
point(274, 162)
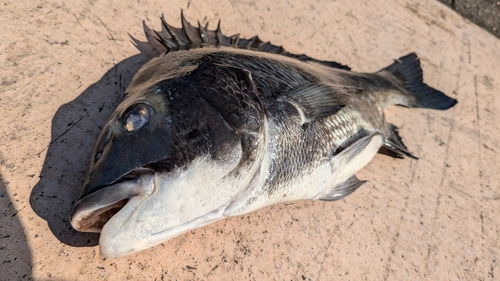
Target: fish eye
point(137, 116)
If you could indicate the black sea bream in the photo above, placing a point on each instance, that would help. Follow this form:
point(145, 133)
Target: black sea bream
point(221, 126)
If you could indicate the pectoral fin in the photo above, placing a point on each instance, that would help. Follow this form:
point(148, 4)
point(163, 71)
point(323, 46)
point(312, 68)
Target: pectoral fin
point(342, 190)
point(358, 154)
point(347, 163)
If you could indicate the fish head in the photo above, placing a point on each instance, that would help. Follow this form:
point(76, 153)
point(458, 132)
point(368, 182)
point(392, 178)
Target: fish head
point(166, 162)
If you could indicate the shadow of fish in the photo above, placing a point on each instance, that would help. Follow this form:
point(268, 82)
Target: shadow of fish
point(221, 126)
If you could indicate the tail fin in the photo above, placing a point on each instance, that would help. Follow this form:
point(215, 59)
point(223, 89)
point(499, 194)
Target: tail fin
point(407, 69)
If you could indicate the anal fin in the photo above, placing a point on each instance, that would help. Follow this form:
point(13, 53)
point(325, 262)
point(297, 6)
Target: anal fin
point(342, 190)
point(386, 151)
point(393, 145)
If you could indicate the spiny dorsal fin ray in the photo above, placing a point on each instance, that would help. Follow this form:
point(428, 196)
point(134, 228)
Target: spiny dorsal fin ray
point(221, 38)
point(189, 37)
point(192, 33)
point(177, 34)
point(152, 47)
point(204, 33)
point(166, 40)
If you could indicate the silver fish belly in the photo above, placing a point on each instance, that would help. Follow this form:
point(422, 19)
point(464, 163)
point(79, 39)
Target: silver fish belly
point(221, 126)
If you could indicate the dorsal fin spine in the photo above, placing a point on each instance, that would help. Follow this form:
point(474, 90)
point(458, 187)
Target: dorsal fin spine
point(191, 32)
point(221, 38)
point(203, 33)
point(168, 45)
point(189, 37)
point(171, 32)
point(235, 39)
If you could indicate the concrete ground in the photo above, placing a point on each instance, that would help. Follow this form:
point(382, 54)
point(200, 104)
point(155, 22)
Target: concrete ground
point(64, 66)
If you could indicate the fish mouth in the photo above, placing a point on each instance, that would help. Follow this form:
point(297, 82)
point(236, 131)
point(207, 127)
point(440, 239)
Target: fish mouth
point(92, 212)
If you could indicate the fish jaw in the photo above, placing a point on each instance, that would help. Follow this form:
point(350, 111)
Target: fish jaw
point(133, 215)
point(93, 211)
point(180, 202)
point(113, 243)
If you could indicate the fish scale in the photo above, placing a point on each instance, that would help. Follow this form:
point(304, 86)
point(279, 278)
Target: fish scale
point(309, 146)
point(348, 125)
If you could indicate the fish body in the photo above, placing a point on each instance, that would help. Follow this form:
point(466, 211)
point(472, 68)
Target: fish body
point(221, 126)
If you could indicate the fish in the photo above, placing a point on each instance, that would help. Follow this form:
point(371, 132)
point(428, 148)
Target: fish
point(218, 126)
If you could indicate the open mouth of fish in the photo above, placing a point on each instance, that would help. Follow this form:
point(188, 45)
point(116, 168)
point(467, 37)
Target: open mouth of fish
point(114, 209)
point(92, 212)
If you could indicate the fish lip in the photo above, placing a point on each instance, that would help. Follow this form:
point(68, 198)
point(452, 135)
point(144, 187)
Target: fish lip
point(93, 211)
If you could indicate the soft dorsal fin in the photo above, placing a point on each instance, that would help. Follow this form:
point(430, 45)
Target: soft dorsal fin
point(317, 100)
point(190, 37)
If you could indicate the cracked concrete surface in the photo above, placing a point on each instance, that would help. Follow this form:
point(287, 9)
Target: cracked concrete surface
point(64, 66)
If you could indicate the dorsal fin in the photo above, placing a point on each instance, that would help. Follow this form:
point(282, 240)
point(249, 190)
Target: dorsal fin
point(189, 37)
point(316, 100)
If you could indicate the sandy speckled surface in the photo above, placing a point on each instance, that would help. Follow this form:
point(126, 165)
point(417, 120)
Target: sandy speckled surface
point(64, 66)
